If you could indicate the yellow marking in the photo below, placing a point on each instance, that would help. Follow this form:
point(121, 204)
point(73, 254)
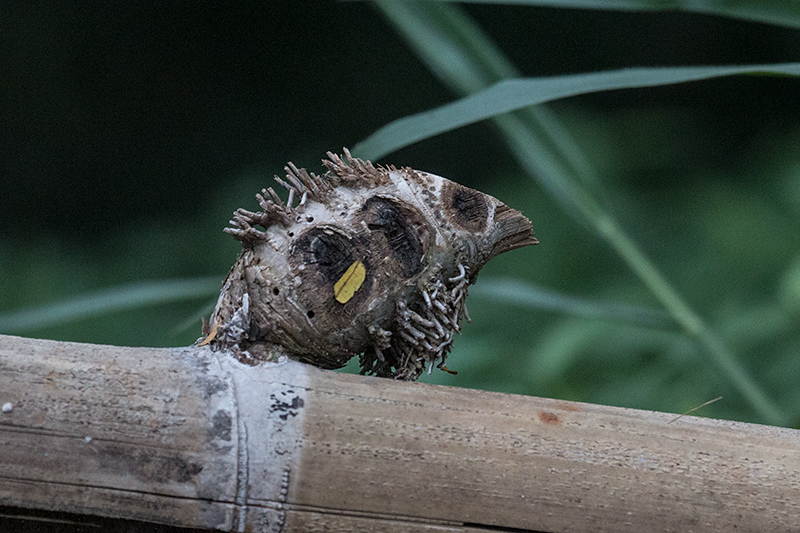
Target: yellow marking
point(212, 334)
point(350, 282)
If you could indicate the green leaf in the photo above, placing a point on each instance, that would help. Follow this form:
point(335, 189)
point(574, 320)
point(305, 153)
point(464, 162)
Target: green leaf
point(517, 292)
point(119, 298)
point(778, 12)
point(514, 94)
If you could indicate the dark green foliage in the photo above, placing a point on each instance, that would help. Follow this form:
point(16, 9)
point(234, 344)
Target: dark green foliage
point(701, 178)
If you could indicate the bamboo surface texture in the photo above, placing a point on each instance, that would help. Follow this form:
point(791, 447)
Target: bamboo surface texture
point(192, 438)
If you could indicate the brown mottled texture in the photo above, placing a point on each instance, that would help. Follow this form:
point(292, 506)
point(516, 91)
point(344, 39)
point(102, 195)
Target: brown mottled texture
point(421, 239)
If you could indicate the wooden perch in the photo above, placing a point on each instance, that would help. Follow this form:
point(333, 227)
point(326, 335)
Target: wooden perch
point(189, 437)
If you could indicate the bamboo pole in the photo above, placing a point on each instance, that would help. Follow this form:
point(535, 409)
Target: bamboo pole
point(192, 438)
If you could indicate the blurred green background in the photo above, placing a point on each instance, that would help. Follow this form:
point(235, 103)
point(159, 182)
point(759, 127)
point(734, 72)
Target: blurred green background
point(130, 133)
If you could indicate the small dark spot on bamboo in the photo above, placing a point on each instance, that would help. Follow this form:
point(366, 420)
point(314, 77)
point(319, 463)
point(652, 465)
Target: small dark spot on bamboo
point(548, 418)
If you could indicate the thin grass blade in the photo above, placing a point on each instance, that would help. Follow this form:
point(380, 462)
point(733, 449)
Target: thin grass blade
point(98, 303)
point(517, 292)
point(778, 12)
point(514, 94)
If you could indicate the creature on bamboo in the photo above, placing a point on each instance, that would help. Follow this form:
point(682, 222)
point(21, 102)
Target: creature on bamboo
point(362, 260)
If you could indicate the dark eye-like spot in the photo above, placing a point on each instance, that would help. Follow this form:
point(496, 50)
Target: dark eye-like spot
point(402, 228)
point(328, 251)
point(468, 208)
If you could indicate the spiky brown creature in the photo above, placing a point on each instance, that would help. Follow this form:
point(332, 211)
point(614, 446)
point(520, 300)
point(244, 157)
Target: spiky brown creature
point(362, 260)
